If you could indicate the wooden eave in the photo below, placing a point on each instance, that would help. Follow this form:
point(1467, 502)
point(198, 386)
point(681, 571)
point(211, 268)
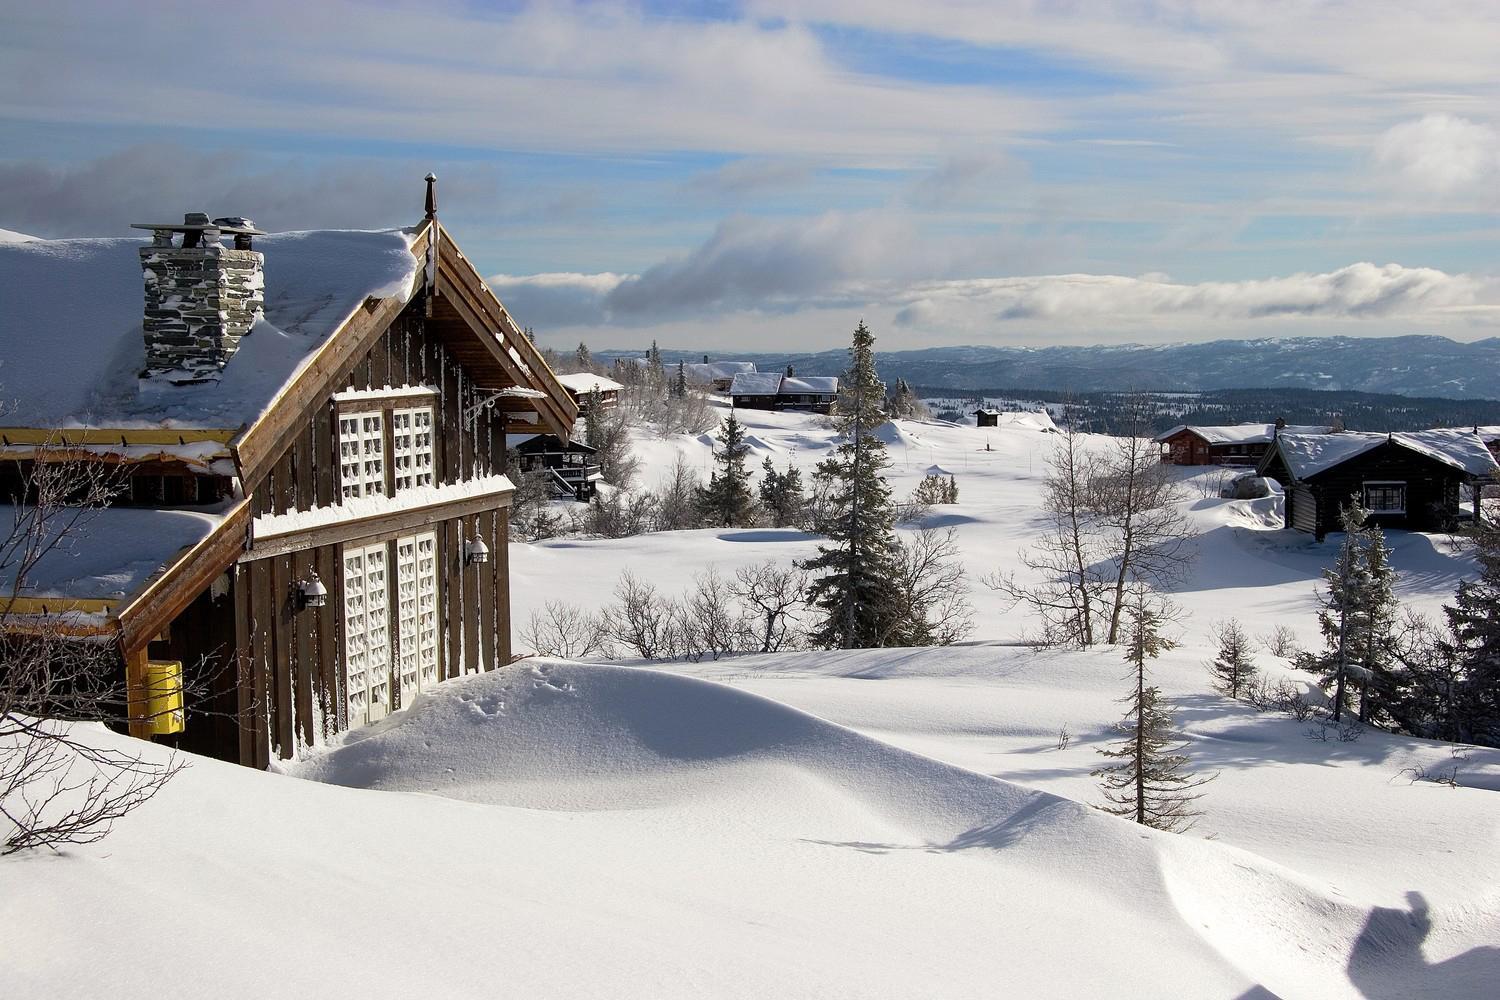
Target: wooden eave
point(491, 335)
point(124, 437)
point(385, 524)
point(144, 614)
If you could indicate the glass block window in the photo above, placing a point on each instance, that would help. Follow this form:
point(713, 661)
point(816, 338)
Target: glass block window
point(411, 445)
point(362, 454)
point(367, 643)
point(417, 614)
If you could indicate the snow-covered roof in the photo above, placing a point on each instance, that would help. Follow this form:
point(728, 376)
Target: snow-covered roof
point(1027, 420)
point(108, 552)
point(1240, 433)
point(71, 345)
point(1488, 434)
point(699, 371)
point(586, 382)
point(810, 384)
point(755, 384)
point(1310, 454)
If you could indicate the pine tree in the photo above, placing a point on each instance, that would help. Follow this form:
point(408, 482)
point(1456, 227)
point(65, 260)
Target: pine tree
point(679, 382)
point(726, 500)
point(1474, 620)
point(1232, 669)
point(583, 358)
point(1151, 784)
point(656, 377)
point(854, 587)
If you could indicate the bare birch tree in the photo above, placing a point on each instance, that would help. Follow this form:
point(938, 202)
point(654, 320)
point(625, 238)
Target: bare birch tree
point(1066, 587)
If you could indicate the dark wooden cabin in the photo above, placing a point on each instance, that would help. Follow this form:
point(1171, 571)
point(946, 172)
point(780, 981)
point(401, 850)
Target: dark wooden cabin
point(569, 466)
point(1413, 481)
point(1233, 444)
point(770, 391)
point(314, 543)
point(986, 418)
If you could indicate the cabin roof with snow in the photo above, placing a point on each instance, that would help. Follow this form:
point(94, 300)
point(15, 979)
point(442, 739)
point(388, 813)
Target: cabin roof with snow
point(1238, 433)
point(755, 384)
point(1309, 455)
point(817, 385)
point(71, 330)
point(583, 383)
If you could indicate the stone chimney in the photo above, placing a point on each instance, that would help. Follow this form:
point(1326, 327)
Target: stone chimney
point(791, 371)
point(201, 297)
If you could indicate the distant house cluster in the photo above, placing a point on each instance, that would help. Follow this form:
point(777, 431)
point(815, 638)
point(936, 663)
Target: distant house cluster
point(1235, 444)
point(773, 391)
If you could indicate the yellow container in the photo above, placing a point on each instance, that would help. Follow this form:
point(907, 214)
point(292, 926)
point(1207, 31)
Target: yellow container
point(164, 696)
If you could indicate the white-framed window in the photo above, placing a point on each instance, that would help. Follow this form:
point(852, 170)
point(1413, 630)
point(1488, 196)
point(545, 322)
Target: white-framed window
point(1385, 496)
point(367, 634)
point(411, 445)
point(362, 454)
point(416, 614)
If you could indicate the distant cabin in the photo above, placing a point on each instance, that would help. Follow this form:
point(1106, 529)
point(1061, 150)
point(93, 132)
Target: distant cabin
point(569, 466)
point(1030, 420)
point(770, 391)
point(987, 418)
point(1235, 444)
point(1413, 481)
point(582, 385)
point(308, 432)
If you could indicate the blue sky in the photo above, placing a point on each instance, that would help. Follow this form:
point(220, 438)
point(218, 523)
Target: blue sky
point(762, 174)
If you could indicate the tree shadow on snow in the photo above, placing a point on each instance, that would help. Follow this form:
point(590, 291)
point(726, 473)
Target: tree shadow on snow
point(988, 836)
point(1387, 959)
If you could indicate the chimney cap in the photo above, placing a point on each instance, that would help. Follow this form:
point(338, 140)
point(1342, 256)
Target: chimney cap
point(198, 222)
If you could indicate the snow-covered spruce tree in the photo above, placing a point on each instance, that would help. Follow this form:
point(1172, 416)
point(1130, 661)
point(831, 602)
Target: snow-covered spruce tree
point(1474, 620)
point(855, 570)
point(1357, 616)
point(1151, 783)
point(781, 495)
point(1232, 669)
point(905, 405)
point(726, 500)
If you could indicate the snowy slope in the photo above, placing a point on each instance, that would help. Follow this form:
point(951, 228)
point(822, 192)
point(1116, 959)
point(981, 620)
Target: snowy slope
point(560, 830)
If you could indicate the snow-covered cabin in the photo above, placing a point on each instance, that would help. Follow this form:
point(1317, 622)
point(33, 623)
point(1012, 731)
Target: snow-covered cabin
point(1229, 444)
point(570, 467)
point(770, 391)
point(308, 431)
point(583, 385)
point(1410, 480)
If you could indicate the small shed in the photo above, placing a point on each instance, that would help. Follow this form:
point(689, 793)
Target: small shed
point(1412, 480)
point(986, 418)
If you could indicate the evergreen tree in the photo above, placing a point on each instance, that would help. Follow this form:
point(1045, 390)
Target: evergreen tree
point(1232, 670)
point(679, 382)
point(905, 405)
point(854, 588)
point(952, 489)
point(656, 376)
point(1357, 617)
point(583, 358)
point(1151, 784)
point(726, 500)
point(781, 494)
point(1474, 620)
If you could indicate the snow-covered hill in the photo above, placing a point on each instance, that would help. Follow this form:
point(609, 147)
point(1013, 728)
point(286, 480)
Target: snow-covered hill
point(889, 823)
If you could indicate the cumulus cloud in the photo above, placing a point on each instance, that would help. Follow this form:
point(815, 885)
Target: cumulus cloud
point(1441, 155)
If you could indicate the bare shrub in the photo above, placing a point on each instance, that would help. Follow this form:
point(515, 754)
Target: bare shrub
point(642, 619)
point(709, 622)
point(774, 595)
point(677, 506)
point(930, 589)
point(56, 787)
point(1284, 696)
point(1280, 641)
point(616, 514)
point(567, 631)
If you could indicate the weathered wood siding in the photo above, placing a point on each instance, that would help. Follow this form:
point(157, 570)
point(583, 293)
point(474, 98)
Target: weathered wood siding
point(278, 668)
point(1432, 488)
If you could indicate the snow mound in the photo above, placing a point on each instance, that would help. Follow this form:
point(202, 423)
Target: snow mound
point(11, 236)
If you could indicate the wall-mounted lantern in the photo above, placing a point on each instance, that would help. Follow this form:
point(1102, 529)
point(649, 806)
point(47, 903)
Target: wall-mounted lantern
point(311, 593)
point(476, 552)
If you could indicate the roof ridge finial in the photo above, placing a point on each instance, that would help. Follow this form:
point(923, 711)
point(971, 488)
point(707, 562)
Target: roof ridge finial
point(431, 196)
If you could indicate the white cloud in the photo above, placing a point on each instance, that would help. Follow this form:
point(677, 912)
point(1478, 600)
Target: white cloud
point(1441, 155)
